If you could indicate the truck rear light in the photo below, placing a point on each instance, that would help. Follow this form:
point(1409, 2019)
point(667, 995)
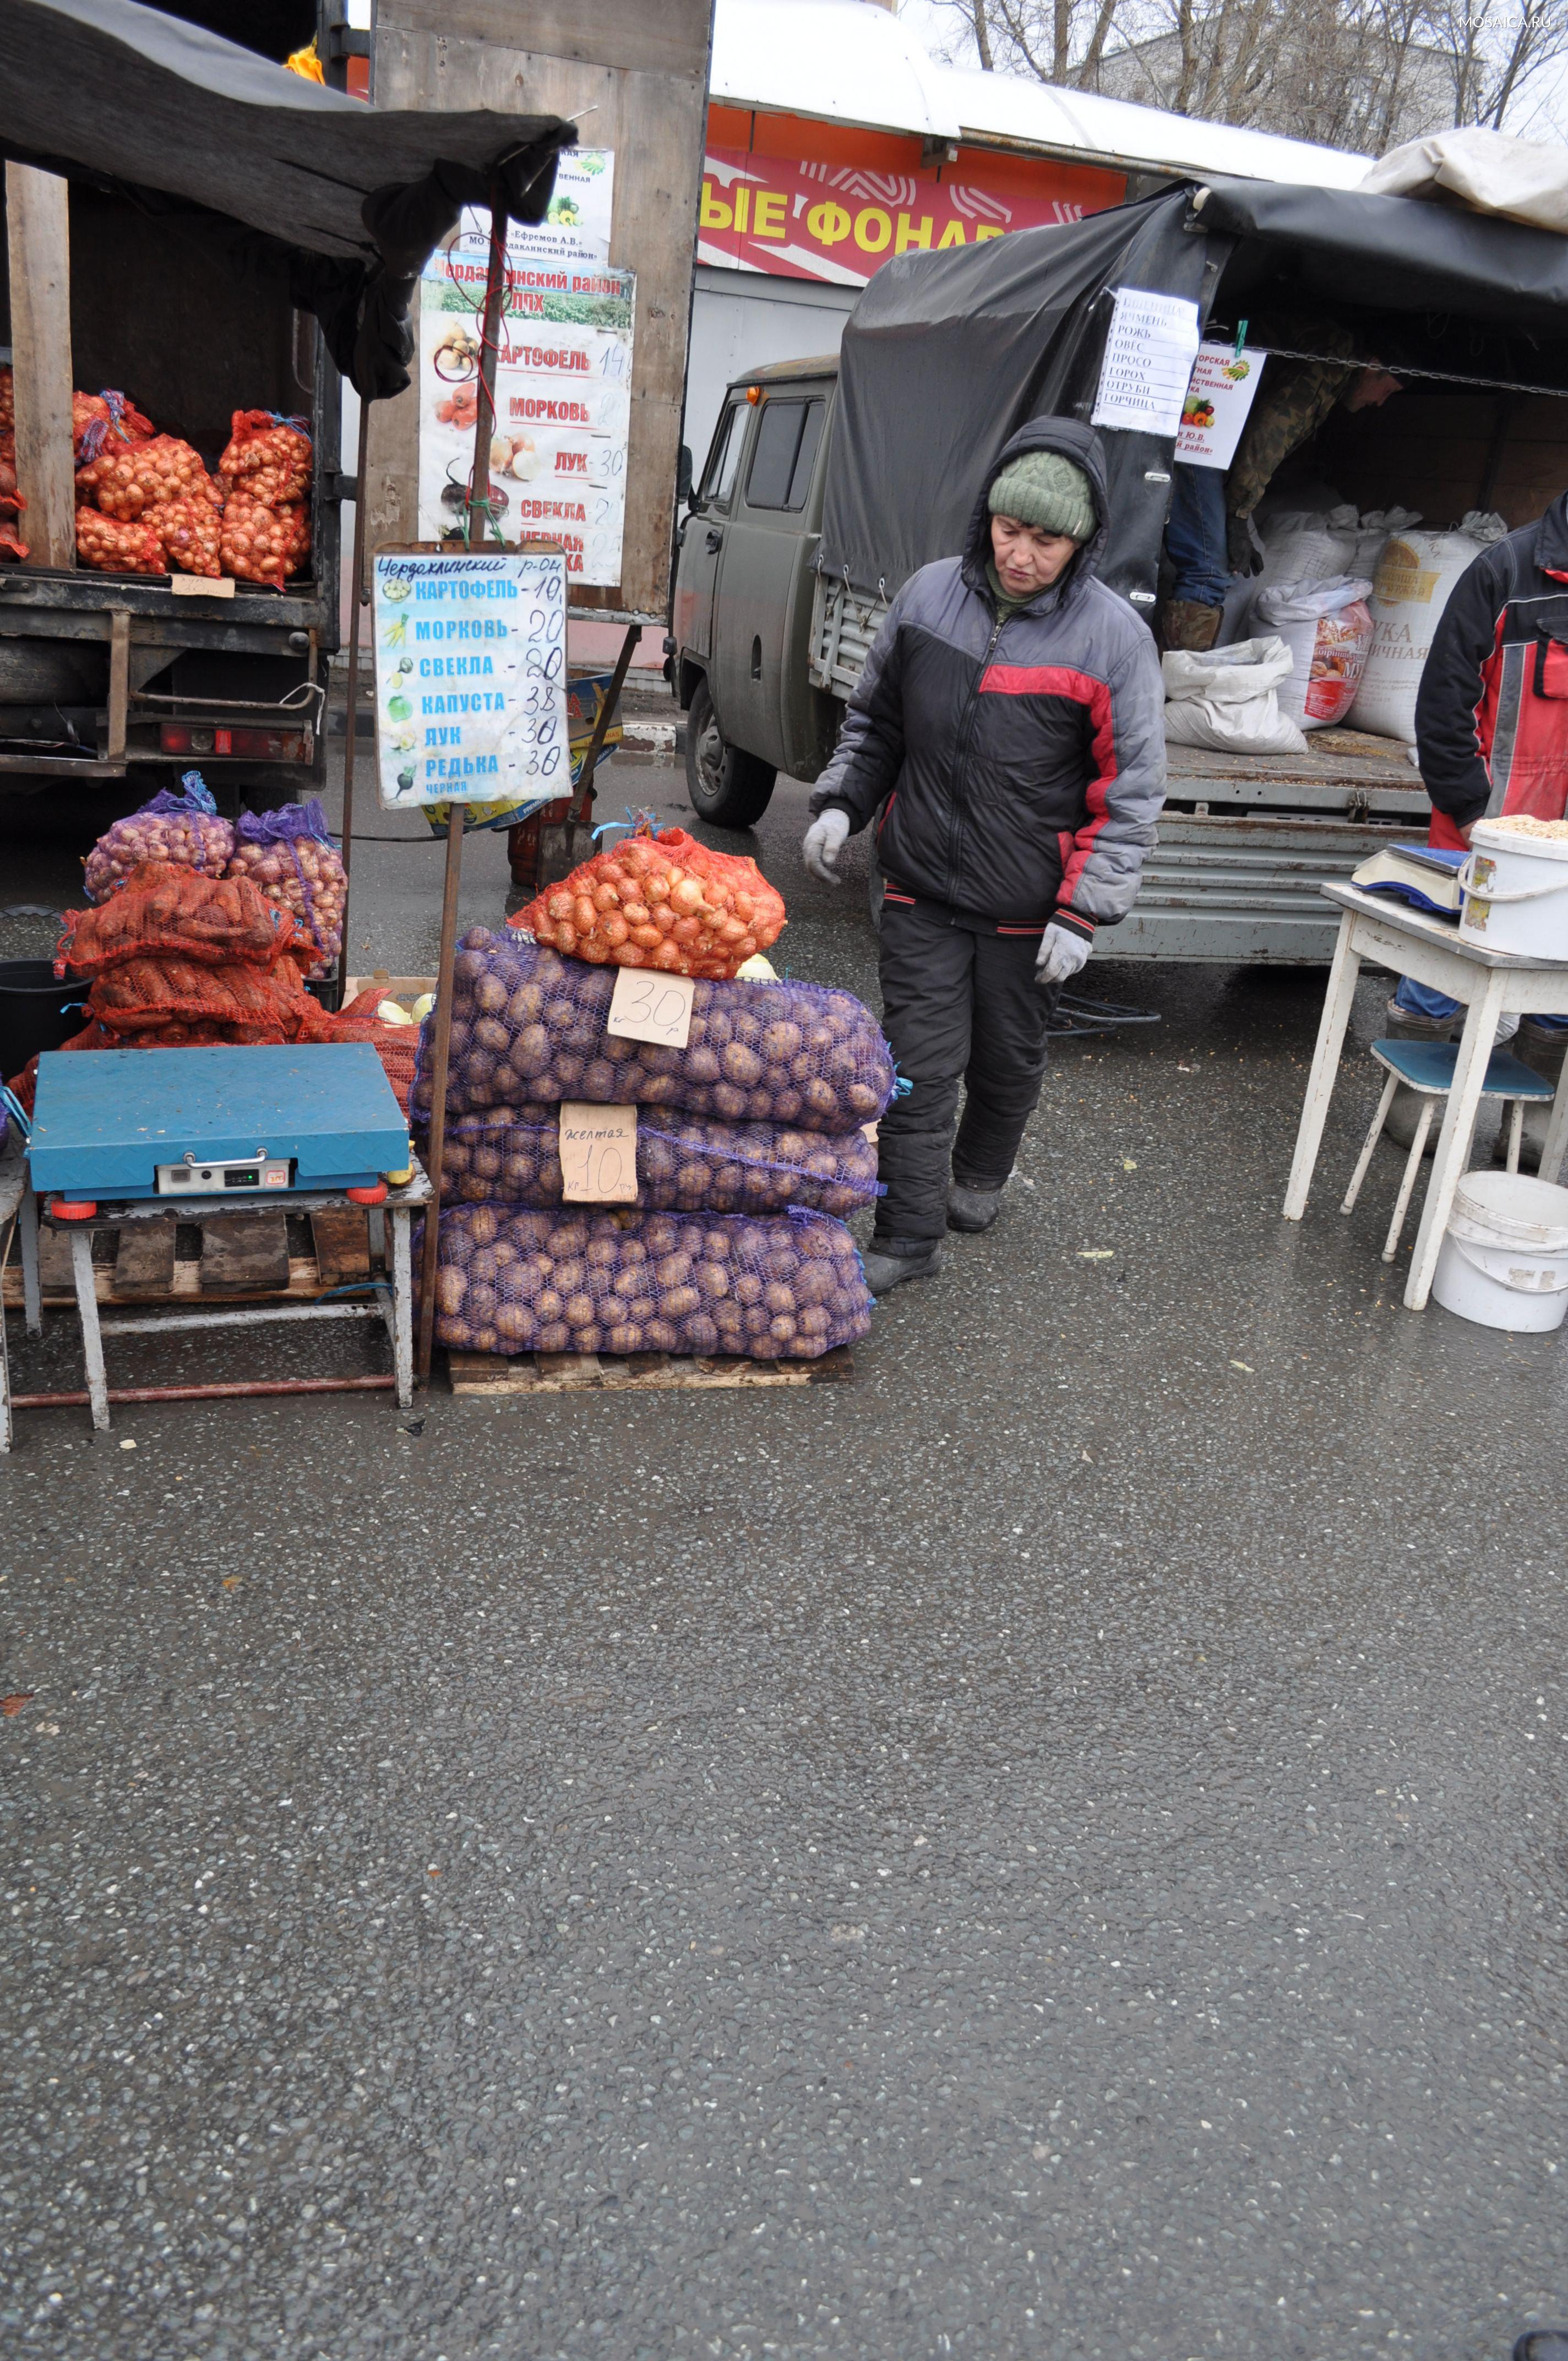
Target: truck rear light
point(198, 737)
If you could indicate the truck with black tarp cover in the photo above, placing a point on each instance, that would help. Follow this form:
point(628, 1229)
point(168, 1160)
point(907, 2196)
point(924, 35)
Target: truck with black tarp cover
point(830, 481)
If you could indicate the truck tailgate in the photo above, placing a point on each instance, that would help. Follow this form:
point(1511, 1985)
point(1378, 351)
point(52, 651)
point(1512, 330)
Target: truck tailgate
point(1244, 889)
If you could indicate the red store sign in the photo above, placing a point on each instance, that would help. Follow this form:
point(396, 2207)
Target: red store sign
point(841, 222)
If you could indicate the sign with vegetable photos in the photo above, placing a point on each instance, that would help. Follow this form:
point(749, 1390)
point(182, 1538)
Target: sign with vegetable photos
point(598, 1154)
point(470, 650)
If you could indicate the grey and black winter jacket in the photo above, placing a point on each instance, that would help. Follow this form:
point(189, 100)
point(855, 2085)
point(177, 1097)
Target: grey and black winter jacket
point(1022, 762)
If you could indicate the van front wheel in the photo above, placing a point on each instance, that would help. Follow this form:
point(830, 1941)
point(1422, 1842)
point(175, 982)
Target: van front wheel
point(729, 787)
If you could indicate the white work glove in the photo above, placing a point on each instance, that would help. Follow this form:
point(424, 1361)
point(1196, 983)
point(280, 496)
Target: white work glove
point(824, 841)
point(1060, 955)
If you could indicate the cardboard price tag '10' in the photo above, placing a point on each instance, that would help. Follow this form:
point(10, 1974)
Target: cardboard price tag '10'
point(649, 1005)
point(598, 1154)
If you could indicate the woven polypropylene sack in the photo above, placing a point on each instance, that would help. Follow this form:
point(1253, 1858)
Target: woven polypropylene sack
point(164, 906)
point(627, 1283)
point(261, 1004)
point(289, 854)
point(528, 1027)
point(661, 901)
point(183, 828)
point(684, 1165)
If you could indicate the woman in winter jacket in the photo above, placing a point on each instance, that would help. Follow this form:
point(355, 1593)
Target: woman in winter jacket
point(1008, 724)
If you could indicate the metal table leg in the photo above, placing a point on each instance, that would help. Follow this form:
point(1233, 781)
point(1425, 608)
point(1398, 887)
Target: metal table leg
point(402, 1307)
point(1458, 1128)
point(91, 1337)
point(32, 1292)
point(1337, 1004)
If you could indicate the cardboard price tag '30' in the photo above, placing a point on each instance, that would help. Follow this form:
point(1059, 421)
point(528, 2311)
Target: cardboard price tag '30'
point(598, 1154)
point(649, 1005)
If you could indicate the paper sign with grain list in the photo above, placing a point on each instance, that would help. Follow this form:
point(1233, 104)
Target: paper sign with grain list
point(598, 1154)
point(649, 1005)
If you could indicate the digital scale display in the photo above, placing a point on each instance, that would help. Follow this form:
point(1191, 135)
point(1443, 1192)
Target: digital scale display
point(198, 1179)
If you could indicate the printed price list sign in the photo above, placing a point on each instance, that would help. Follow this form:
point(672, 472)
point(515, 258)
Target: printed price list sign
point(471, 676)
point(1149, 353)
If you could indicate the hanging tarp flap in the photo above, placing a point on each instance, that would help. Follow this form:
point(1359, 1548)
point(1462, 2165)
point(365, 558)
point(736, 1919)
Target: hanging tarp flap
point(1398, 254)
point(945, 356)
point(134, 101)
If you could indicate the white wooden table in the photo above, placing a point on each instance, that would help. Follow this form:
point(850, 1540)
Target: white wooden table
point(1490, 984)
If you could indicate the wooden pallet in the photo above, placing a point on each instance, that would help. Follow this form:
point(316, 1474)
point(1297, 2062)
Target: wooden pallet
point(564, 1373)
point(243, 1257)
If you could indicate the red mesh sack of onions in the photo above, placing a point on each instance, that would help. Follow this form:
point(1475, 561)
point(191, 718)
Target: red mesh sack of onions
point(289, 855)
point(267, 456)
point(510, 1281)
point(528, 1027)
point(661, 901)
point(165, 907)
point(106, 418)
point(684, 1165)
point(183, 828)
point(190, 531)
point(261, 544)
point(112, 547)
point(7, 398)
point(126, 483)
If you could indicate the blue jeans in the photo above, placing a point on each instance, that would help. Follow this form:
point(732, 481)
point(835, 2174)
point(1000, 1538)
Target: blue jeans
point(1195, 535)
point(1420, 1000)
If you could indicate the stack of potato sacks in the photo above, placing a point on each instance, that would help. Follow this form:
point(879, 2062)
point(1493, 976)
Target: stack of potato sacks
point(753, 1139)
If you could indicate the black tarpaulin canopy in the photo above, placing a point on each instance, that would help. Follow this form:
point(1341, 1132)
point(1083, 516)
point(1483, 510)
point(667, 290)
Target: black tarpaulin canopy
point(945, 356)
point(356, 197)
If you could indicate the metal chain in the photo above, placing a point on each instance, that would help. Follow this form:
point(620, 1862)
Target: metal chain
point(1213, 334)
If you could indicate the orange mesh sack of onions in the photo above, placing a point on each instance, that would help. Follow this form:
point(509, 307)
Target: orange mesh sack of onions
point(528, 1027)
point(661, 901)
point(267, 456)
point(125, 481)
point(510, 1281)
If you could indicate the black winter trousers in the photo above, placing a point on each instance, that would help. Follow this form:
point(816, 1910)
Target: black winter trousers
point(958, 1008)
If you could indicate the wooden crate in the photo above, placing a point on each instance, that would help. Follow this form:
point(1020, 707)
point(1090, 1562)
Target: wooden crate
point(564, 1373)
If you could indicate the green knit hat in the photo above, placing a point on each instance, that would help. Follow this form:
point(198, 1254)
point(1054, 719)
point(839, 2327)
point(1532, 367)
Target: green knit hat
point(1042, 488)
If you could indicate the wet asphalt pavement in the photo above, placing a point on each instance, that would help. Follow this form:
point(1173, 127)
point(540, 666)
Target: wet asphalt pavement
point(1057, 1847)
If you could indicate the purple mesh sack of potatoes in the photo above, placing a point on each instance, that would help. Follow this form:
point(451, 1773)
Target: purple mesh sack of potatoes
point(528, 1027)
point(786, 1287)
point(684, 1164)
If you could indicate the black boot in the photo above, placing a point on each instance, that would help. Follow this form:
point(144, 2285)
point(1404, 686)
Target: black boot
point(888, 1262)
point(972, 1208)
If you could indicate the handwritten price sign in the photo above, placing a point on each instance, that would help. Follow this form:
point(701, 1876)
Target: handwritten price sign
point(598, 1154)
point(648, 1006)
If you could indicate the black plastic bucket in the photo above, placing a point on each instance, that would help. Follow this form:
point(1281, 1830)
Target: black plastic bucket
point(33, 1012)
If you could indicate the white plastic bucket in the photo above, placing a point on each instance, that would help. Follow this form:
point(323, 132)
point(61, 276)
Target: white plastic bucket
point(1516, 893)
point(1504, 1258)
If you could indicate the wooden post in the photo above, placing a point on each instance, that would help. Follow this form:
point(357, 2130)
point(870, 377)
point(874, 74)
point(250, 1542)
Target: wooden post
point(351, 735)
point(38, 230)
point(478, 516)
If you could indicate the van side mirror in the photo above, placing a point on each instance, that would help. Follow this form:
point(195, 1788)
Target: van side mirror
point(684, 497)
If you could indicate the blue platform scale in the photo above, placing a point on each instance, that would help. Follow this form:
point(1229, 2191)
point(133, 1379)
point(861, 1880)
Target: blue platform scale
point(245, 1125)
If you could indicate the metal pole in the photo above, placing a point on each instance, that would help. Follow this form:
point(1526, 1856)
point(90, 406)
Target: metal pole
point(351, 736)
point(478, 512)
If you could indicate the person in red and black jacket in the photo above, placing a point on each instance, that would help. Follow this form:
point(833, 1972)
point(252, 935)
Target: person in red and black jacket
point(1008, 729)
point(1492, 708)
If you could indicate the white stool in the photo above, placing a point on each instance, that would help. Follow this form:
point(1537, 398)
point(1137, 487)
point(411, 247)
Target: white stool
point(1426, 1067)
